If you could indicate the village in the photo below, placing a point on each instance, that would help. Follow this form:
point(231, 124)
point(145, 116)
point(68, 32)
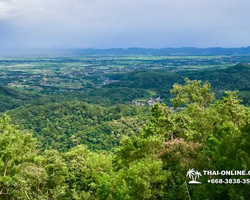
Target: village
point(151, 102)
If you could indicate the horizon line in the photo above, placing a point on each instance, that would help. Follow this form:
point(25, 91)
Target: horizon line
point(121, 48)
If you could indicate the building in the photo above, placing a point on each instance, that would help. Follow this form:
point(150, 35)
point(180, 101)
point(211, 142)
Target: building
point(152, 102)
point(140, 103)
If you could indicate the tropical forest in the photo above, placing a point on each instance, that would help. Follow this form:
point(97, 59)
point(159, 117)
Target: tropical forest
point(125, 124)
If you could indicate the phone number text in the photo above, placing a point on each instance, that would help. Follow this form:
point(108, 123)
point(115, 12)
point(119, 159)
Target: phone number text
point(229, 181)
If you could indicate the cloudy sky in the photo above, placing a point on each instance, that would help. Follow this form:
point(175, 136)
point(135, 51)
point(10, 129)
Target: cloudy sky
point(124, 23)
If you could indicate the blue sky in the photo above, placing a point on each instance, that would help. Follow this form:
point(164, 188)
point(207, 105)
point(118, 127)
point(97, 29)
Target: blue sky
point(124, 23)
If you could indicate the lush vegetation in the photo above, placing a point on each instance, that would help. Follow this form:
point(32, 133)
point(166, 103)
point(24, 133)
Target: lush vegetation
point(117, 76)
point(69, 129)
point(231, 78)
point(11, 98)
point(129, 86)
point(207, 134)
point(63, 125)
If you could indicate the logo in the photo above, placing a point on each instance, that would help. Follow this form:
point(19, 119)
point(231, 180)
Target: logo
point(192, 174)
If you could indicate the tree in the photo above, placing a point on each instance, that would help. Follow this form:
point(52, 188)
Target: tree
point(20, 174)
point(192, 91)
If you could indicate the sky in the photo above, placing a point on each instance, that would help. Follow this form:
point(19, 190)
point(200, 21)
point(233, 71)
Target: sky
point(124, 23)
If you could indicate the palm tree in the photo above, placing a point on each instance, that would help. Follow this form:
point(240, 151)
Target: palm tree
point(191, 173)
point(197, 174)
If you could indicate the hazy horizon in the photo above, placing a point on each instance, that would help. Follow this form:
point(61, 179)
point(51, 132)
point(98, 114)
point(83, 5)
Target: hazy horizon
point(124, 48)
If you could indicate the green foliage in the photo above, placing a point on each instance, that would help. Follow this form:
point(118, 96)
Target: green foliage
point(232, 78)
point(207, 134)
point(191, 92)
point(118, 95)
point(149, 79)
point(11, 98)
point(143, 179)
point(65, 125)
point(86, 169)
point(17, 154)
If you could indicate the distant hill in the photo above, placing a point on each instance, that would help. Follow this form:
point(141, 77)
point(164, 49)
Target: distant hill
point(235, 77)
point(147, 79)
point(165, 51)
point(239, 67)
point(11, 98)
point(130, 51)
point(13, 93)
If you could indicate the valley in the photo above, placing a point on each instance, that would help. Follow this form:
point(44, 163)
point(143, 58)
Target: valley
point(102, 122)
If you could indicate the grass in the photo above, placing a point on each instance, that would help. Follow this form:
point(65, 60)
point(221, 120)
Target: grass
point(141, 99)
point(152, 92)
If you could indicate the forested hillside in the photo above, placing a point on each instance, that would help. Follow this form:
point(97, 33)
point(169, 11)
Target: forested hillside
point(126, 87)
point(208, 134)
point(94, 143)
point(149, 79)
point(63, 125)
point(231, 78)
point(236, 77)
point(11, 98)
